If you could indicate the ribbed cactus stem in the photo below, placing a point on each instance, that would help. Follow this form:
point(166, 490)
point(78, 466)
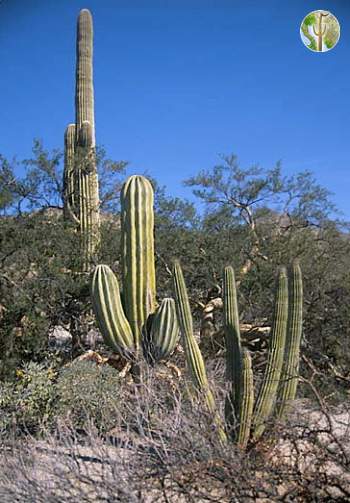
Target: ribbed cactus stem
point(109, 312)
point(193, 354)
point(137, 233)
point(164, 332)
point(68, 174)
point(232, 332)
point(84, 90)
point(268, 390)
point(290, 369)
point(87, 196)
point(246, 400)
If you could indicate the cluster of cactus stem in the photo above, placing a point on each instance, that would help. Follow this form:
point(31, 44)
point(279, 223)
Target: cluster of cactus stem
point(246, 418)
point(81, 193)
point(132, 323)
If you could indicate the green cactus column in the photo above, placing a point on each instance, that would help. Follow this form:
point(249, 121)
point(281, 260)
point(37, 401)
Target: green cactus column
point(109, 312)
point(68, 174)
point(86, 179)
point(84, 88)
point(138, 265)
point(290, 369)
point(233, 340)
point(268, 390)
point(245, 400)
point(193, 354)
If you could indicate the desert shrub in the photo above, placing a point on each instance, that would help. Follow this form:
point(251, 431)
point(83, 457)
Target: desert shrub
point(27, 403)
point(88, 393)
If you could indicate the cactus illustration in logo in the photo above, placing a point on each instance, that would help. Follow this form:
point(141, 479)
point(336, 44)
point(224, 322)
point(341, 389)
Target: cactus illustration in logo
point(320, 31)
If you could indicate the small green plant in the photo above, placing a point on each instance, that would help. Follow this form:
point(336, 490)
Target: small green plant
point(27, 403)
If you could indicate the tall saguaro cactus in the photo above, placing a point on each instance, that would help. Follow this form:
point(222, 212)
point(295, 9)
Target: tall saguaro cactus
point(83, 204)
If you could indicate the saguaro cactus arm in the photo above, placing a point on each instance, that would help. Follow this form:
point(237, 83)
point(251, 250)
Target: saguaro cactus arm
point(68, 174)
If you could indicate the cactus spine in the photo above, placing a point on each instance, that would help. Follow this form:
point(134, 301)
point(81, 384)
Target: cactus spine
point(137, 223)
point(85, 198)
point(267, 394)
point(290, 368)
point(193, 354)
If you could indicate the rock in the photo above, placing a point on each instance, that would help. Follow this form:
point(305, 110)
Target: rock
point(92, 338)
point(60, 339)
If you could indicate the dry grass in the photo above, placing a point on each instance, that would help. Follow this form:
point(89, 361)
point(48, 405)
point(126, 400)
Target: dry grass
point(164, 448)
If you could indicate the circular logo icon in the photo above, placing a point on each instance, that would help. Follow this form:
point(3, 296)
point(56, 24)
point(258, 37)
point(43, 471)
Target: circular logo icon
point(320, 31)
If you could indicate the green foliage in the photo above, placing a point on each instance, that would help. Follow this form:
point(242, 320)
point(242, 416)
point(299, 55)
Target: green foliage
point(26, 404)
point(310, 20)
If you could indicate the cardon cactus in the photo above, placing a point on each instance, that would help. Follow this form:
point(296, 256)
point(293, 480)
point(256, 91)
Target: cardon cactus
point(290, 368)
point(138, 265)
point(109, 311)
point(162, 337)
point(137, 323)
point(81, 194)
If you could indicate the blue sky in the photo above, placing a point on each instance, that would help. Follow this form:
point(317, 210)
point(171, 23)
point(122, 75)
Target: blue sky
point(177, 83)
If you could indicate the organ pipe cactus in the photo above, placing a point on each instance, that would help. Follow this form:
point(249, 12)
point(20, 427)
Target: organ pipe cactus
point(193, 354)
point(81, 194)
point(267, 394)
point(244, 420)
point(232, 336)
point(137, 323)
point(290, 368)
point(245, 400)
